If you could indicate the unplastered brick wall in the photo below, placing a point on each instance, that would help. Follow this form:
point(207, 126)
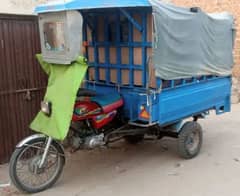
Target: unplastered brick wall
point(233, 7)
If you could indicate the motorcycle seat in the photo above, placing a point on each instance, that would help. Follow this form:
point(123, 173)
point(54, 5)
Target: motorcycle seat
point(108, 102)
point(82, 92)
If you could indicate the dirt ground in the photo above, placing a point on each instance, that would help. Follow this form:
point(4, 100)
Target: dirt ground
point(154, 167)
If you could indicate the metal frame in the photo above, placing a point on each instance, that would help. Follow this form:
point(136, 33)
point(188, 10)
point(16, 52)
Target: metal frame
point(46, 149)
point(197, 94)
point(172, 100)
point(27, 140)
point(131, 19)
point(144, 44)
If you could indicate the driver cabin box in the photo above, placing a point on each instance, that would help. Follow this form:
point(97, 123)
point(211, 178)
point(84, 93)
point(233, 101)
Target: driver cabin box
point(117, 43)
point(60, 36)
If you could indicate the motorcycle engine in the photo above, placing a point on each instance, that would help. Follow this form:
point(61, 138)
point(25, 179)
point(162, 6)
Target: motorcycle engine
point(82, 136)
point(94, 141)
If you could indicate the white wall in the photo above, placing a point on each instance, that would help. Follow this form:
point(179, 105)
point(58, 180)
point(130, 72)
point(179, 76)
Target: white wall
point(19, 6)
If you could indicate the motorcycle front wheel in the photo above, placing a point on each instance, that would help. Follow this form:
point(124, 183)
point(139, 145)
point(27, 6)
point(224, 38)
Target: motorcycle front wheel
point(24, 169)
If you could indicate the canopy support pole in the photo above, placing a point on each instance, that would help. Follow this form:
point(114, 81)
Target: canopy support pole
point(131, 19)
point(89, 22)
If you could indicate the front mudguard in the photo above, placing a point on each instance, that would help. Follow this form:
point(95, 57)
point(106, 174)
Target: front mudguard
point(37, 136)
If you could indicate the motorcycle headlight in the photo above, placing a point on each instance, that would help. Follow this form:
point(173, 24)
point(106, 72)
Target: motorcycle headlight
point(46, 107)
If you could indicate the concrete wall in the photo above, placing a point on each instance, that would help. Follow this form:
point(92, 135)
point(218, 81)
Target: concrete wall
point(232, 6)
point(19, 6)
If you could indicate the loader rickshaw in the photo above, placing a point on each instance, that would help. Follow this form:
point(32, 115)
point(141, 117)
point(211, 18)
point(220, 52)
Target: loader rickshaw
point(123, 70)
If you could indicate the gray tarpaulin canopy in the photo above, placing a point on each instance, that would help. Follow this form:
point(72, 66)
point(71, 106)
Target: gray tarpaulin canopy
point(186, 43)
point(191, 43)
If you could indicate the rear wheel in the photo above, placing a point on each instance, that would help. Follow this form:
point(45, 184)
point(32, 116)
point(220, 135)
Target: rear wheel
point(190, 140)
point(24, 169)
point(134, 139)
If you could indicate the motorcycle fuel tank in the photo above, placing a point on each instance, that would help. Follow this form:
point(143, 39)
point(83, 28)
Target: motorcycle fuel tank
point(90, 110)
point(100, 120)
point(85, 110)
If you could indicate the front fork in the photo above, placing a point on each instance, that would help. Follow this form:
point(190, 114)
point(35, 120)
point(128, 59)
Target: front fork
point(49, 140)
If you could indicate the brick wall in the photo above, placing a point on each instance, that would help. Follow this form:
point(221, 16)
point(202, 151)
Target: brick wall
point(233, 7)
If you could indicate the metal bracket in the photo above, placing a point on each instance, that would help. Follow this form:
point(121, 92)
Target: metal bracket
point(142, 125)
point(88, 19)
point(49, 140)
point(131, 19)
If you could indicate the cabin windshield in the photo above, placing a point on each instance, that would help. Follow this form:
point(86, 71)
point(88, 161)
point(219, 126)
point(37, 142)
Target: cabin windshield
point(54, 39)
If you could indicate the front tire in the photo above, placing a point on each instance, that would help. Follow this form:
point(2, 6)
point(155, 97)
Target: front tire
point(190, 140)
point(28, 157)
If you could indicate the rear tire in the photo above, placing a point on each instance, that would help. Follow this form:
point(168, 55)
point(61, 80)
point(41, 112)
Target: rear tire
point(190, 140)
point(134, 139)
point(13, 171)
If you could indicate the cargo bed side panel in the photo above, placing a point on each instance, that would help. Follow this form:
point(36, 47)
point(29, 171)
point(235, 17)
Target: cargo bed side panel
point(185, 101)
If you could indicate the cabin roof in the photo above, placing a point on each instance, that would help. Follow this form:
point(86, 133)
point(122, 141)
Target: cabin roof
point(61, 5)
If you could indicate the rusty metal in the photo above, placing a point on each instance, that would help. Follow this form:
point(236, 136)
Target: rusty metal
point(22, 82)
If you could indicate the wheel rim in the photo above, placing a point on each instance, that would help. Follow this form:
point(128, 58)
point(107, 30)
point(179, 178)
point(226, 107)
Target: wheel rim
point(28, 172)
point(193, 141)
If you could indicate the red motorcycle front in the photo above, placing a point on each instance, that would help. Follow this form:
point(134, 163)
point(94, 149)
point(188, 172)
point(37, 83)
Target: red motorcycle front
point(38, 160)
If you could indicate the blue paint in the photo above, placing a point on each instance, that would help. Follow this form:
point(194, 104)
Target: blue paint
point(130, 57)
point(159, 83)
point(119, 52)
point(119, 44)
point(107, 54)
point(173, 100)
point(123, 44)
point(85, 38)
point(94, 37)
point(195, 98)
point(145, 72)
point(131, 19)
point(90, 4)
